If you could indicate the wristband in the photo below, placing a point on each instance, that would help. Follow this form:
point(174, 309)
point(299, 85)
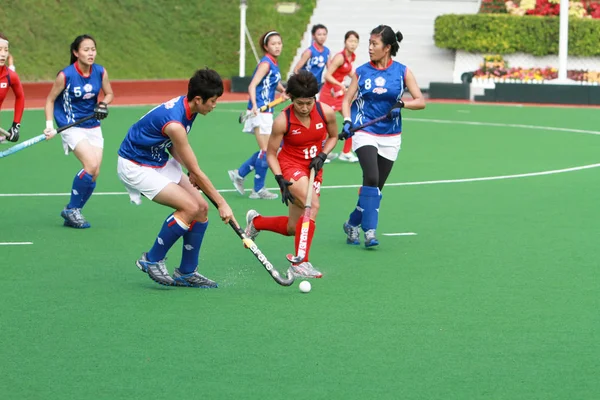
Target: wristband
point(347, 119)
point(49, 125)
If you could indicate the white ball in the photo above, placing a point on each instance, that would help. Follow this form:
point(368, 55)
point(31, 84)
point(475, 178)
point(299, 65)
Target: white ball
point(304, 286)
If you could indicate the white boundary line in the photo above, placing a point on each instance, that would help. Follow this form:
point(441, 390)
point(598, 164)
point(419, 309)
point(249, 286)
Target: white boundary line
point(400, 234)
point(14, 243)
point(437, 182)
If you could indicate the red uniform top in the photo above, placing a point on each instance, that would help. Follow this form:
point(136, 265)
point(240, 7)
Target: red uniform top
point(339, 74)
point(302, 144)
point(10, 79)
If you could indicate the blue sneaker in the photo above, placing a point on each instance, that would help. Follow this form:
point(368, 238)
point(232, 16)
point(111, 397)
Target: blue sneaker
point(193, 279)
point(353, 234)
point(74, 219)
point(370, 239)
point(157, 271)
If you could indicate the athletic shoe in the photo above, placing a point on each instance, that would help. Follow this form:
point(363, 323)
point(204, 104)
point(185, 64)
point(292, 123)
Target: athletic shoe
point(352, 232)
point(74, 219)
point(370, 239)
point(332, 156)
point(348, 157)
point(263, 194)
point(237, 180)
point(250, 230)
point(193, 279)
point(304, 270)
point(157, 271)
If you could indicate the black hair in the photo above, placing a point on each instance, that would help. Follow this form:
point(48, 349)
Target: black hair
point(205, 83)
point(264, 39)
point(3, 37)
point(388, 37)
point(351, 33)
point(76, 43)
point(316, 27)
point(302, 85)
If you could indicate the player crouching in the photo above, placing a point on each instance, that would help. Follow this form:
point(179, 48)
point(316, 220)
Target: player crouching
point(145, 169)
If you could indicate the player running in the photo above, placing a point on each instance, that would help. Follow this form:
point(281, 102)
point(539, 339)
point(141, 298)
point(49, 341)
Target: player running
point(10, 80)
point(333, 90)
point(145, 169)
point(316, 57)
point(378, 86)
point(265, 80)
point(75, 92)
point(307, 129)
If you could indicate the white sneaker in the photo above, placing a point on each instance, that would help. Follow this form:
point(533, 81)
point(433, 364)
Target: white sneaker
point(263, 194)
point(237, 180)
point(250, 230)
point(348, 157)
point(332, 156)
point(304, 270)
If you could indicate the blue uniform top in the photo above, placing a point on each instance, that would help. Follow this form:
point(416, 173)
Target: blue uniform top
point(265, 90)
point(80, 96)
point(146, 143)
point(317, 61)
point(378, 91)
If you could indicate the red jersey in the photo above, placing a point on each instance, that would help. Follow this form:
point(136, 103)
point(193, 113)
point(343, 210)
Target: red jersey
point(339, 74)
point(10, 79)
point(302, 144)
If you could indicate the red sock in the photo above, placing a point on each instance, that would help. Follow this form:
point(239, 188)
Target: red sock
point(273, 224)
point(348, 145)
point(311, 232)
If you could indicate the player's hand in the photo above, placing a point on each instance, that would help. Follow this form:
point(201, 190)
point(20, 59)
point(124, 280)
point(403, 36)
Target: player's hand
point(226, 214)
point(286, 196)
point(50, 133)
point(396, 108)
point(318, 161)
point(194, 180)
point(254, 110)
point(14, 132)
point(346, 130)
point(101, 110)
point(285, 96)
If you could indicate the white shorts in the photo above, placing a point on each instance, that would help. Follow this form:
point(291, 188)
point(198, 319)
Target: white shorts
point(139, 179)
point(264, 121)
point(72, 136)
point(387, 146)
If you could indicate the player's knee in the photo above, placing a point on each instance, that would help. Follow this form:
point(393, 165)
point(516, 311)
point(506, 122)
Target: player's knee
point(202, 212)
point(92, 169)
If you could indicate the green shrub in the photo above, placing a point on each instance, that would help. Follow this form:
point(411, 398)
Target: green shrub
point(505, 34)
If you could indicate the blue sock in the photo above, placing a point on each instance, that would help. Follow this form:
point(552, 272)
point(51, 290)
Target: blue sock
point(261, 168)
point(192, 240)
point(171, 230)
point(81, 185)
point(356, 214)
point(369, 198)
point(87, 195)
point(248, 165)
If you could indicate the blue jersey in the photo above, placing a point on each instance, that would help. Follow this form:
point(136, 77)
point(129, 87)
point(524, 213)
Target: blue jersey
point(146, 143)
point(317, 61)
point(378, 91)
point(265, 90)
point(80, 96)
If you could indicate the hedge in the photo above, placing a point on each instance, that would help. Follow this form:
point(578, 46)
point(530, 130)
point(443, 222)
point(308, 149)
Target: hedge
point(505, 34)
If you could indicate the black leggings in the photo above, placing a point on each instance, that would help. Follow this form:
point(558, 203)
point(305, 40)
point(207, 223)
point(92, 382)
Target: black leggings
point(376, 169)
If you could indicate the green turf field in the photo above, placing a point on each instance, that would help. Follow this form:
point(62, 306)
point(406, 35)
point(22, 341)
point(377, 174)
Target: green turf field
point(495, 297)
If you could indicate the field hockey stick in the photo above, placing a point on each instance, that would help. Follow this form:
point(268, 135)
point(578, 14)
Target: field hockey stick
point(369, 123)
point(40, 138)
point(4, 133)
point(305, 223)
point(244, 116)
point(249, 244)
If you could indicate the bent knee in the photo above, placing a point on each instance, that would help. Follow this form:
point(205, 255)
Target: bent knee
point(201, 211)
